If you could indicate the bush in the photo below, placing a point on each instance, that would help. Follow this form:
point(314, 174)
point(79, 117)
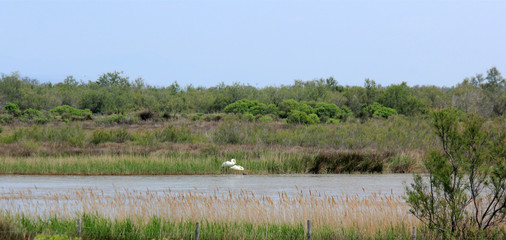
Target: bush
point(116, 118)
point(265, 118)
point(401, 164)
point(70, 113)
point(6, 118)
point(346, 162)
point(120, 135)
point(41, 120)
point(329, 110)
point(299, 117)
point(115, 135)
point(12, 108)
point(254, 108)
point(212, 117)
point(230, 132)
point(345, 113)
point(172, 134)
point(31, 113)
point(463, 193)
point(385, 112)
point(333, 121)
point(377, 109)
point(100, 136)
point(313, 119)
point(1, 129)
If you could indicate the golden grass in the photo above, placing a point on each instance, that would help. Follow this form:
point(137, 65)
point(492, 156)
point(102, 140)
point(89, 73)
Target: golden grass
point(370, 214)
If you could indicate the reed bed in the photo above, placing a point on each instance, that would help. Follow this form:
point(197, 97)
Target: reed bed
point(175, 163)
point(368, 214)
point(256, 161)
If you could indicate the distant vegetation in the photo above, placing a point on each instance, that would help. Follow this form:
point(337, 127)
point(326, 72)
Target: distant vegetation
point(330, 128)
point(315, 101)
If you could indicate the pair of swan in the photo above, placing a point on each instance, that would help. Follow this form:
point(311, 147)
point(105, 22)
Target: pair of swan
point(231, 164)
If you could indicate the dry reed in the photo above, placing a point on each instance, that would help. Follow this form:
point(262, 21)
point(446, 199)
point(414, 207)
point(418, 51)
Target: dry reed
point(370, 214)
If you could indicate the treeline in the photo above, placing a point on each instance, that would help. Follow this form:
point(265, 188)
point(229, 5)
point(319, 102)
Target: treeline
point(304, 101)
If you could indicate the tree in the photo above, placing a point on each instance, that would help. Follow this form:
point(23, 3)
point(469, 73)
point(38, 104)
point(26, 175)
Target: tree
point(399, 97)
point(465, 191)
point(370, 91)
point(113, 79)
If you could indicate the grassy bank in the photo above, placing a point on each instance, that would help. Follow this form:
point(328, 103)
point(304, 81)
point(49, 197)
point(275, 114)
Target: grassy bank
point(96, 227)
point(144, 214)
point(167, 214)
point(397, 145)
point(199, 147)
point(254, 162)
point(400, 134)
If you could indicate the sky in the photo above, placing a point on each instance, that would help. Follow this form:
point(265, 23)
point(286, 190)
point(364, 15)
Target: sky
point(258, 43)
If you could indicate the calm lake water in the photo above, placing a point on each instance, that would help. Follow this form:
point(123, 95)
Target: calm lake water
point(268, 185)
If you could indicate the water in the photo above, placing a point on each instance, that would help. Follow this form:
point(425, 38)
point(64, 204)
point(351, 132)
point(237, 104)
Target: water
point(268, 185)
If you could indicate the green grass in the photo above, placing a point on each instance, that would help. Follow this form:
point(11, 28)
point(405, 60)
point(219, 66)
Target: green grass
point(395, 134)
point(174, 163)
point(205, 162)
point(97, 227)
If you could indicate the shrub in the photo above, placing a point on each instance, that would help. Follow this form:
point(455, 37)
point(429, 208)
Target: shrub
point(333, 121)
point(212, 117)
point(230, 132)
point(31, 113)
point(345, 113)
point(326, 110)
point(245, 106)
point(313, 119)
point(249, 117)
point(41, 120)
point(116, 118)
point(12, 108)
point(297, 117)
point(286, 106)
point(401, 164)
point(265, 118)
point(1, 129)
point(346, 162)
point(70, 113)
point(385, 112)
point(6, 118)
point(172, 134)
point(120, 135)
point(463, 193)
point(100, 136)
point(377, 109)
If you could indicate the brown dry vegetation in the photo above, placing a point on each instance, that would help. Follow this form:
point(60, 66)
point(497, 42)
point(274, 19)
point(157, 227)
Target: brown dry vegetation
point(369, 214)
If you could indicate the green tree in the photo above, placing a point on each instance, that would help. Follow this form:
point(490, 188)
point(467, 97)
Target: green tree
point(377, 109)
point(464, 191)
point(371, 91)
point(399, 97)
point(113, 79)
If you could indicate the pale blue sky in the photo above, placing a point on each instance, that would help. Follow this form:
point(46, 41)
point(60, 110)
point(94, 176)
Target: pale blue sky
point(260, 43)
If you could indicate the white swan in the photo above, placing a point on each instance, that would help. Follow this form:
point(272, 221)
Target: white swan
point(237, 167)
point(228, 163)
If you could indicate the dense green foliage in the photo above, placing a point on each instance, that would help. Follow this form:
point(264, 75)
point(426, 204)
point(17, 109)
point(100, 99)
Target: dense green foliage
point(465, 190)
point(113, 93)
